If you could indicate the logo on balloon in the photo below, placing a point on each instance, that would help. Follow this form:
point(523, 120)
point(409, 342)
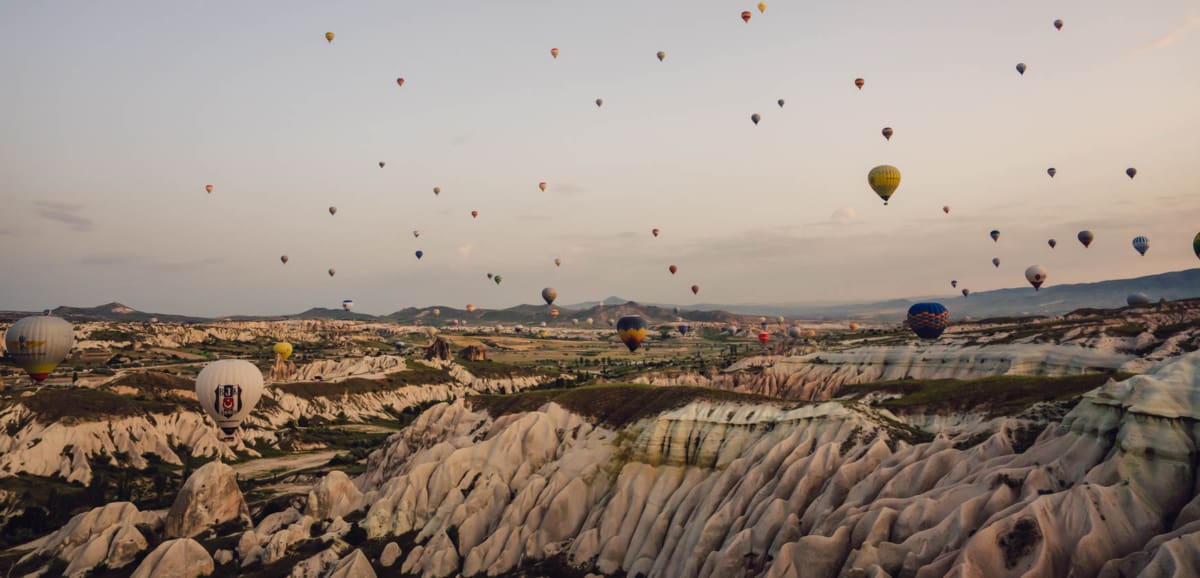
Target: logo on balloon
point(229, 400)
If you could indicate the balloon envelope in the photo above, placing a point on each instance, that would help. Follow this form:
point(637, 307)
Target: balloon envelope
point(228, 390)
point(283, 349)
point(683, 328)
point(549, 295)
point(1135, 299)
point(746, 16)
point(1196, 245)
point(661, 55)
point(672, 269)
point(208, 188)
point(954, 283)
point(332, 272)
point(1086, 237)
point(1141, 244)
point(654, 232)
point(332, 210)
point(39, 343)
point(1036, 275)
point(1058, 24)
point(284, 259)
point(884, 180)
point(995, 235)
point(1021, 68)
point(632, 331)
point(928, 320)
point(329, 36)
point(348, 304)
point(763, 337)
point(859, 83)
point(996, 261)
point(762, 7)
point(419, 254)
point(1052, 171)
point(554, 52)
point(780, 102)
point(755, 118)
point(695, 289)
point(1132, 172)
point(1052, 243)
point(888, 132)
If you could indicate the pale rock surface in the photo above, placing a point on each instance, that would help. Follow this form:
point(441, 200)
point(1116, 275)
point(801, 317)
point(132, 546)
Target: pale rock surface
point(208, 498)
point(181, 558)
point(354, 565)
point(390, 553)
point(104, 534)
point(223, 557)
point(334, 496)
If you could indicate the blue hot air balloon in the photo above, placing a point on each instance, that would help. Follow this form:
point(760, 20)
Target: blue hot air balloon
point(1141, 244)
point(632, 331)
point(683, 329)
point(928, 320)
point(420, 254)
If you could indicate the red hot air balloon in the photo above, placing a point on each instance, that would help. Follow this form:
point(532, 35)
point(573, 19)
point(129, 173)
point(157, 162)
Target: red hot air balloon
point(554, 52)
point(695, 289)
point(654, 231)
point(946, 209)
point(542, 185)
point(763, 337)
point(400, 81)
point(888, 132)
point(746, 16)
point(859, 83)
point(437, 190)
point(474, 214)
point(672, 269)
point(208, 189)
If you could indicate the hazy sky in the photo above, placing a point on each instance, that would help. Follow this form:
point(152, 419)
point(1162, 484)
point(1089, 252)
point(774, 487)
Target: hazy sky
point(116, 114)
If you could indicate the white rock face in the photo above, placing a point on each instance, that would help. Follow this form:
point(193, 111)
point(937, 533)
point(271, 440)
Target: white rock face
point(391, 552)
point(208, 498)
point(334, 495)
point(820, 376)
point(715, 490)
point(333, 370)
point(105, 534)
point(354, 565)
point(183, 558)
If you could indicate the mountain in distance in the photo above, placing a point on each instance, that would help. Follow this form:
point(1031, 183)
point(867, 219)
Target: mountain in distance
point(108, 312)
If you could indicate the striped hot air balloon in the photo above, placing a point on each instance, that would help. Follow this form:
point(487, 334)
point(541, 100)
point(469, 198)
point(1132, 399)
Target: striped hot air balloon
point(632, 331)
point(884, 180)
point(928, 320)
point(1141, 245)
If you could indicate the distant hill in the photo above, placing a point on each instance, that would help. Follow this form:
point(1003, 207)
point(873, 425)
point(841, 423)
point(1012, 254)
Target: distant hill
point(108, 312)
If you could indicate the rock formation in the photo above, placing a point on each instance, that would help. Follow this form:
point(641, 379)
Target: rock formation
point(208, 498)
point(183, 558)
point(438, 350)
point(473, 353)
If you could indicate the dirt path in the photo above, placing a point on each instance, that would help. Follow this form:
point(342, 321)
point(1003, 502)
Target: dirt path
point(283, 464)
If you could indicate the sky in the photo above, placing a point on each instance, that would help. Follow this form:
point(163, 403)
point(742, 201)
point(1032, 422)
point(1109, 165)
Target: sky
point(116, 115)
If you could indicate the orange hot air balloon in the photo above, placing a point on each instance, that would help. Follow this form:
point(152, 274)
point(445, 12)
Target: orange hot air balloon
point(208, 189)
point(554, 313)
point(695, 289)
point(329, 36)
point(437, 190)
point(853, 327)
point(888, 132)
point(400, 81)
point(654, 231)
point(543, 186)
point(470, 308)
point(746, 16)
point(474, 214)
point(672, 269)
point(554, 52)
point(859, 83)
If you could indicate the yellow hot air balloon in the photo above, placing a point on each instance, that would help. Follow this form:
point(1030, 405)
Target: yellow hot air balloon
point(762, 7)
point(283, 349)
point(884, 179)
point(38, 344)
point(329, 36)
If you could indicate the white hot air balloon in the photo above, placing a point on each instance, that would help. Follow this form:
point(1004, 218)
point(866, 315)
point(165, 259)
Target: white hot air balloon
point(38, 344)
point(1036, 275)
point(348, 304)
point(228, 390)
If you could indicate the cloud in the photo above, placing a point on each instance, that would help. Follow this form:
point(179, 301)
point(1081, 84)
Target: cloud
point(66, 213)
point(1172, 36)
point(844, 216)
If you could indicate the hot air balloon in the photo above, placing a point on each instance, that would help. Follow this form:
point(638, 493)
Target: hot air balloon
point(416, 233)
point(853, 327)
point(1052, 243)
point(763, 337)
point(1036, 275)
point(654, 232)
point(794, 332)
point(954, 282)
point(554, 313)
point(470, 308)
point(888, 132)
point(39, 343)
point(884, 179)
point(381, 164)
point(575, 321)
point(332, 271)
point(419, 254)
point(474, 214)
point(946, 209)
point(755, 118)
point(683, 329)
point(1021, 68)
point(549, 295)
point(695, 289)
point(498, 279)
point(995, 235)
point(762, 7)
point(672, 269)
point(557, 262)
point(1135, 299)
point(329, 36)
point(966, 292)
point(332, 210)
point(928, 320)
point(489, 276)
point(437, 312)
point(400, 81)
point(762, 325)
point(590, 321)
point(746, 16)
point(543, 333)
point(662, 55)
point(437, 190)
point(542, 185)
point(1052, 171)
point(1058, 24)
point(1086, 238)
point(1141, 244)
point(228, 390)
point(599, 102)
point(631, 329)
point(208, 189)
point(675, 310)
point(554, 52)
point(1196, 245)
point(780, 102)
point(996, 261)
point(283, 259)
point(348, 304)
point(283, 349)
point(859, 83)
point(1132, 172)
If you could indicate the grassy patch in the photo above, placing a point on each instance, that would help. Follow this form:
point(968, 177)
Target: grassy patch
point(87, 405)
point(416, 374)
point(614, 405)
point(493, 370)
point(154, 381)
point(997, 395)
